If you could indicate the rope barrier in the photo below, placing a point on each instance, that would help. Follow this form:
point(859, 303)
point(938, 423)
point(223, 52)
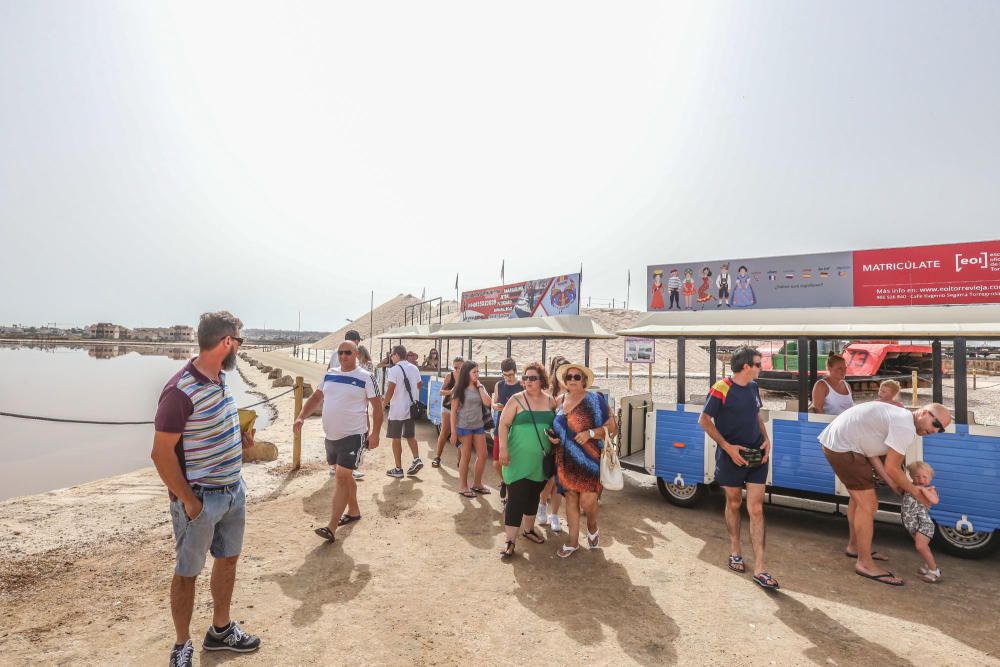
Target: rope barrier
point(120, 423)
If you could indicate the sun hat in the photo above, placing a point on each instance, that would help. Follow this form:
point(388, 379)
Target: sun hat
point(587, 373)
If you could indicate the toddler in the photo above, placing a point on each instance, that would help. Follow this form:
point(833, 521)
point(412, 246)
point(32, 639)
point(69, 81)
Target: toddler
point(917, 519)
point(888, 391)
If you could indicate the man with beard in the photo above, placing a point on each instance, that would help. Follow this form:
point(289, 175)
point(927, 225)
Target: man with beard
point(197, 450)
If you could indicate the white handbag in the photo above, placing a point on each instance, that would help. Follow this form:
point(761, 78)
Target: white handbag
point(611, 470)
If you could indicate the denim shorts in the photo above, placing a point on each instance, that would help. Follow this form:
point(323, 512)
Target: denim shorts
point(219, 527)
point(470, 431)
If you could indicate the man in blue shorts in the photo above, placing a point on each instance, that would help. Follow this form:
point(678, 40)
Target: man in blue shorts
point(198, 452)
point(732, 419)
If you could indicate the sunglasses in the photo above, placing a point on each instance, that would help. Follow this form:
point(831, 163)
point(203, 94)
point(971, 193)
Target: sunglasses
point(936, 424)
point(237, 339)
point(344, 353)
point(757, 365)
point(573, 377)
point(530, 378)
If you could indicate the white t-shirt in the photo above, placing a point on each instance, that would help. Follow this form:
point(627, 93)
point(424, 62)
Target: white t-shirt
point(870, 429)
point(399, 406)
point(345, 402)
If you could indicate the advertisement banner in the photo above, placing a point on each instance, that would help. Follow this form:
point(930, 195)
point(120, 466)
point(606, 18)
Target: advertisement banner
point(958, 273)
point(559, 295)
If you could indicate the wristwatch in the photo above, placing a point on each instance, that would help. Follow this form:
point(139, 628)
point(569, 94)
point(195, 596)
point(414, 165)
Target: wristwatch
point(591, 433)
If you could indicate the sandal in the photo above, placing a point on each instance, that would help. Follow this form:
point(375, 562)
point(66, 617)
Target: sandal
point(736, 563)
point(594, 539)
point(482, 490)
point(508, 550)
point(467, 494)
point(887, 578)
point(436, 463)
point(875, 555)
point(764, 580)
point(565, 551)
point(347, 518)
point(532, 536)
point(326, 534)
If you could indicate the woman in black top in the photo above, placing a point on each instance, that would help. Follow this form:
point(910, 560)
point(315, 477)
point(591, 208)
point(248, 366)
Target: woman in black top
point(449, 386)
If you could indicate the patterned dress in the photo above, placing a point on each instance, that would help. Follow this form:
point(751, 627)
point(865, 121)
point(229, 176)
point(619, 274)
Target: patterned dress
point(578, 467)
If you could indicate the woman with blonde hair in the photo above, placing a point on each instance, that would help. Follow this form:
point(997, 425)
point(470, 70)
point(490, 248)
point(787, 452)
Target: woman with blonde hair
point(832, 395)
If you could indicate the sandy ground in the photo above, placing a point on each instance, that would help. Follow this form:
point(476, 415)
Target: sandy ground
point(84, 575)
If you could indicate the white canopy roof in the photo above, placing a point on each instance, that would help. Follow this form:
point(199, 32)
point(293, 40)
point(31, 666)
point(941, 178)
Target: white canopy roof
point(562, 326)
point(878, 322)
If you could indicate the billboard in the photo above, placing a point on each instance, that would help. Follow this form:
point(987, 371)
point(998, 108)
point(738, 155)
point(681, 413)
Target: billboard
point(958, 273)
point(640, 350)
point(559, 295)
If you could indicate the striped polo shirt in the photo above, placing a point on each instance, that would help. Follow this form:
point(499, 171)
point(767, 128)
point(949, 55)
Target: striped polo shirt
point(210, 449)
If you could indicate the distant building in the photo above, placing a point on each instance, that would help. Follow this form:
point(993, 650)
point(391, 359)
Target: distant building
point(109, 331)
point(182, 332)
point(179, 333)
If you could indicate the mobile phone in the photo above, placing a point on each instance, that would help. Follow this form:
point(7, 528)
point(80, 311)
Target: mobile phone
point(551, 432)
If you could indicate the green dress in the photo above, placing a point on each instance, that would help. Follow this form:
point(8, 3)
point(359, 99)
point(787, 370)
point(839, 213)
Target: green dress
point(525, 442)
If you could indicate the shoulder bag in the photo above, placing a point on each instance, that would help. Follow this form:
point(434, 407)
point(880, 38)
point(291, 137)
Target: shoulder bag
point(417, 409)
point(611, 469)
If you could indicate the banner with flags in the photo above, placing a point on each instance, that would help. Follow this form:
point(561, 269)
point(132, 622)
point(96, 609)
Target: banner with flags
point(558, 295)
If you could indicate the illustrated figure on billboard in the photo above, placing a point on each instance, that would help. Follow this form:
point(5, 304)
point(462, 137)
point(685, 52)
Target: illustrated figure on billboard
point(722, 284)
point(656, 300)
point(688, 288)
point(743, 294)
point(563, 296)
point(674, 287)
point(704, 290)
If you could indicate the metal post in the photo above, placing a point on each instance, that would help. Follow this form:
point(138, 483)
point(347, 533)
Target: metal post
point(803, 350)
point(297, 437)
point(649, 367)
point(470, 347)
point(914, 384)
point(510, 346)
point(586, 352)
point(447, 352)
point(813, 361)
point(713, 370)
point(681, 397)
point(961, 382)
point(607, 368)
point(543, 351)
point(937, 390)
point(628, 437)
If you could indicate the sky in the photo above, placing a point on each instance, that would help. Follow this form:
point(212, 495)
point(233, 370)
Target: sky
point(162, 159)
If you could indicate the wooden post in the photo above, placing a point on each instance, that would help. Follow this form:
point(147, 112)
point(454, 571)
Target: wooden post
point(607, 369)
point(915, 381)
point(297, 438)
point(670, 363)
point(973, 377)
point(486, 366)
point(650, 367)
point(630, 376)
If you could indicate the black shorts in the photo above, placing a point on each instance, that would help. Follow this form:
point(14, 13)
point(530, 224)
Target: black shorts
point(400, 428)
point(728, 473)
point(346, 452)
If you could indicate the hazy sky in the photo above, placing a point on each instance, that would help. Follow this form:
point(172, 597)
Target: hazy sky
point(162, 159)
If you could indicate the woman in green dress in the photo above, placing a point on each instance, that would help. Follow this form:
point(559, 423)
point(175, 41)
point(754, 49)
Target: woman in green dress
point(523, 447)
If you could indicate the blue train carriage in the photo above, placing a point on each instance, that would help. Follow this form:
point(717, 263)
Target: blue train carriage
point(664, 439)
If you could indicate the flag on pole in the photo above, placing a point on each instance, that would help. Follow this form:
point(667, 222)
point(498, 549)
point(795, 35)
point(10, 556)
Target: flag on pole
point(628, 287)
point(456, 281)
point(502, 263)
point(423, 294)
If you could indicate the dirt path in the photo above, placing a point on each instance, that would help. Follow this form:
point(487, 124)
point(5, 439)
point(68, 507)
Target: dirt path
point(418, 581)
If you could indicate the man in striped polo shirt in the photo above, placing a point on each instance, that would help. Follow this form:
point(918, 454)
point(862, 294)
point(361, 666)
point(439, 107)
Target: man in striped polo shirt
point(198, 452)
point(346, 392)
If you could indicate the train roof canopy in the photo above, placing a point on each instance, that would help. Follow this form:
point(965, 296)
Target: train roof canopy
point(562, 326)
point(894, 322)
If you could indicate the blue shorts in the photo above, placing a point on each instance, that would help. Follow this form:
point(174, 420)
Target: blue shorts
point(470, 431)
point(728, 473)
point(219, 527)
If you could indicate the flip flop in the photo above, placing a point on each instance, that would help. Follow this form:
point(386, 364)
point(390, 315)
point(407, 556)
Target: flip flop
point(467, 494)
point(347, 518)
point(875, 555)
point(736, 563)
point(532, 536)
point(326, 534)
point(565, 551)
point(482, 490)
point(881, 578)
point(764, 580)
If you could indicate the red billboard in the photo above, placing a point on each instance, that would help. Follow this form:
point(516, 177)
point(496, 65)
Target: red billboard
point(933, 275)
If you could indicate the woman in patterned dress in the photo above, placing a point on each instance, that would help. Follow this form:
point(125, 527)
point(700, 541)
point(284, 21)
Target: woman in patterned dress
point(704, 293)
point(582, 422)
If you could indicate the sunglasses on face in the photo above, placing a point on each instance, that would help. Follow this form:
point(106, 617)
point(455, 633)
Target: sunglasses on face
point(573, 377)
point(237, 339)
point(530, 378)
point(345, 353)
point(937, 424)
point(756, 365)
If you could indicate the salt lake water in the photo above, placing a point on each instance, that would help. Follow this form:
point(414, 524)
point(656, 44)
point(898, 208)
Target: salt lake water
point(106, 382)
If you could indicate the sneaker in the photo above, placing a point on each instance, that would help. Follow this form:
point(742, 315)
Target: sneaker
point(183, 656)
point(436, 463)
point(554, 523)
point(543, 514)
point(333, 470)
point(357, 474)
point(394, 472)
point(233, 639)
point(415, 467)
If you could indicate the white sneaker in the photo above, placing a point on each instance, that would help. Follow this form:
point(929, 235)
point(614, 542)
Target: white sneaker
point(333, 470)
point(554, 523)
point(543, 513)
point(357, 474)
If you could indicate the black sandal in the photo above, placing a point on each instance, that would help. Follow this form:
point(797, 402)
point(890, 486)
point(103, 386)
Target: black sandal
point(482, 490)
point(467, 494)
point(532, 536)
point(347, 518)
point(326, 534)
point(508, 550)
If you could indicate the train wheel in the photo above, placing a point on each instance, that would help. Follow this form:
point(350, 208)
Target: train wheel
point(682, 495)
point(978, 544)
